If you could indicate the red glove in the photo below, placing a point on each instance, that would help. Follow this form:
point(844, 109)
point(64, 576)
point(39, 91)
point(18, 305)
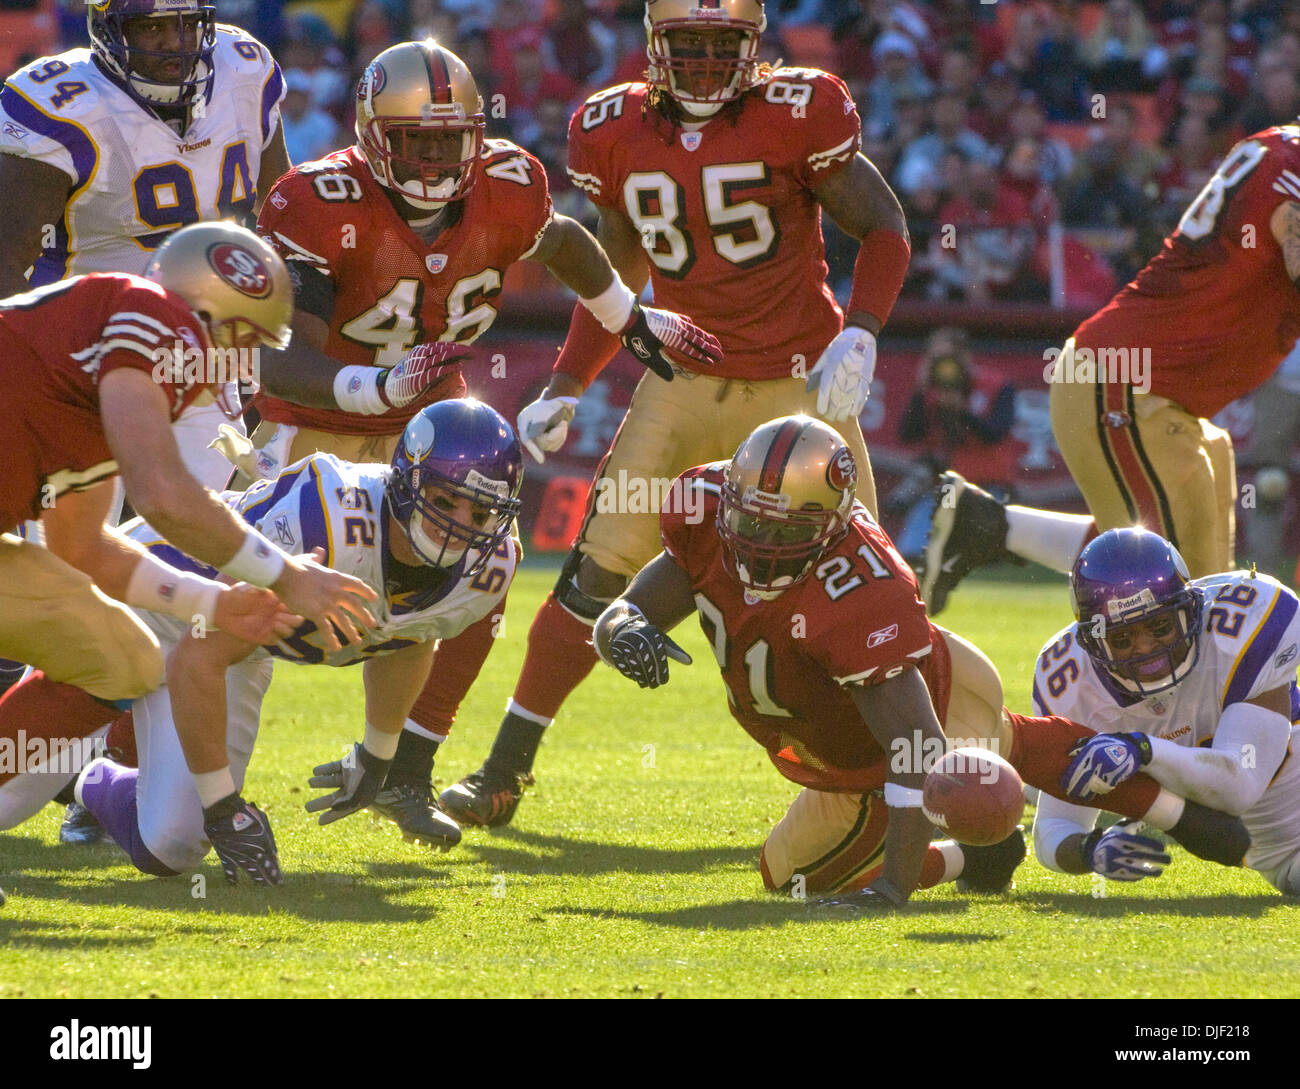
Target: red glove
point(422, 366)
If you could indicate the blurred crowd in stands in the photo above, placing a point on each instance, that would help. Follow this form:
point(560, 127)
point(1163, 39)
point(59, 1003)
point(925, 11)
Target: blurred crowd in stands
point(1041, 149)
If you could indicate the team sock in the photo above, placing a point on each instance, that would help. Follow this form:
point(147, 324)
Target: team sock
point(108, 791)
point(1047, 536)
point(413, 762)
point(456, 665)
point(516, 744)
point(560, 656)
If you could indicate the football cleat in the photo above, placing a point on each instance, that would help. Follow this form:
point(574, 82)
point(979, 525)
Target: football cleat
point(968, 530)
point(486, 797)
point(989, 869)
point(418, 814)
point(81, 828)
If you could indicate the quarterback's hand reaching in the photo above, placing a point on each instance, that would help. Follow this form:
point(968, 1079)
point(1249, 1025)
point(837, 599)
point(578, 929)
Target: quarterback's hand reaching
point(1100, 763)
point(253, 614)
point(651, 335)
point(640, 651)
point(422, 366)
point(355, 780)
point(241, 835)
point(328, 598)
point(1120, 853)
point(544, 425)
point(842, 376)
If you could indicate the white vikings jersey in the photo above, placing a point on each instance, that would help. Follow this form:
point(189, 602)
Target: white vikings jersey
point(324, 502)
point(134, 179)
point(1248, 644)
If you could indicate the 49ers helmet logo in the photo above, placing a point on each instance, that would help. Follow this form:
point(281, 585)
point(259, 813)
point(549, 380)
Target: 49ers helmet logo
point(241, 269)
point(842, 471)
point(372, 82)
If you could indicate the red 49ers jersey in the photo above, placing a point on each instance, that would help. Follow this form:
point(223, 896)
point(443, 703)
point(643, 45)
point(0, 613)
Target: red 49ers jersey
point(56, 342)
point(393, 291)
point(731, 227)
point(1215, 305)
point(789, 664)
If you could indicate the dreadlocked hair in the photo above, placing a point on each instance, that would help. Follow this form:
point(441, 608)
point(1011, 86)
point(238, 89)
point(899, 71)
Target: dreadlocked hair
point(666, 106)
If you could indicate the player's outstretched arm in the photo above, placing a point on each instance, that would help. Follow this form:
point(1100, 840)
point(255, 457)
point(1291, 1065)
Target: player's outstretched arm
point(306, 374)
point(35, 195)
point(658, 338)
point(121, 568)
point(1284, 224)
point(630, 634)
point(392, 681)
point(136, 425)
point(861, 203)
point(896, 712)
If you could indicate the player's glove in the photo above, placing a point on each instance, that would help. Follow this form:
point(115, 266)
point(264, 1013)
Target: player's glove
point(640, 651)
point(355, 780)
point(877, 899)
point(544, 425)
point(241, 835)
point(1121, 854)
point(421, 367)
point(842, 376)
point(1100, 763)
point(651, 334)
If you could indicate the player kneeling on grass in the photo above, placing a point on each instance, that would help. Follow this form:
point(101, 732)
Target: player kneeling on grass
point(1193, 683)
point(832, 665)
point(430, 534)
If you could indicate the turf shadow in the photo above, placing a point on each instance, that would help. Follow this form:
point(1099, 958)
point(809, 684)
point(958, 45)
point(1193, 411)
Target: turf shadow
point(1234, 905)
point(578, 856)
point(751, 914)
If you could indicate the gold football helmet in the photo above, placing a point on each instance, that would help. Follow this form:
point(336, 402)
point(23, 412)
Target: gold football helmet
point(787, 498)
point(420, 123)
point(237, 286)
point(703, 53)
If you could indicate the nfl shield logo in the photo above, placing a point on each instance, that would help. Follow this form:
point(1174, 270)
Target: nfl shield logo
point(436, 262)
point(691, 140)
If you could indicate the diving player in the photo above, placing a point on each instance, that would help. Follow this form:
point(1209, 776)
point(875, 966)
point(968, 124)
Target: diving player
point(1192, 682)
point(431, 535)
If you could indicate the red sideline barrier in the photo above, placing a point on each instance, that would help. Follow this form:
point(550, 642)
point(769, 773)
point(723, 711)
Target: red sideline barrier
point(510, 370)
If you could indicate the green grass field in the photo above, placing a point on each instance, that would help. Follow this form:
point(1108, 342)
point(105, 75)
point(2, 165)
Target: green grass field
point(630, 870)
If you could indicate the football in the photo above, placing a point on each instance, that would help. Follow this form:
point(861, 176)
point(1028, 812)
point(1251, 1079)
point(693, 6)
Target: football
point(975, 796)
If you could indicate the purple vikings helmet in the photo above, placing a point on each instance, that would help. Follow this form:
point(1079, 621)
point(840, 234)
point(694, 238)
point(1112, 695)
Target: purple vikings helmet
point(1127, 575)
point(469, 449)
point(106, 22)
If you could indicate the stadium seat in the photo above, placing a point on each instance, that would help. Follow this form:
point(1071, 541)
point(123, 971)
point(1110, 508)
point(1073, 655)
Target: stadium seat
point(809, 46)
point(26, 35)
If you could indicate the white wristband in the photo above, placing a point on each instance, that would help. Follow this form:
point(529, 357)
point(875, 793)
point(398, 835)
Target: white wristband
point(613, 306)
point(898, 796)
point(214, 785)
point(258, 562)
point(162, 589)
point(378, 744)
point(356, 389)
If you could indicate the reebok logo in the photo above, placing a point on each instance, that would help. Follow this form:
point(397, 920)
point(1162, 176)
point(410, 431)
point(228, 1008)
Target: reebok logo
point(884, 635)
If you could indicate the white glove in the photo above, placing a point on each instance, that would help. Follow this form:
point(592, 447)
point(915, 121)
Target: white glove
point(842, 376)
point(544, 425)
